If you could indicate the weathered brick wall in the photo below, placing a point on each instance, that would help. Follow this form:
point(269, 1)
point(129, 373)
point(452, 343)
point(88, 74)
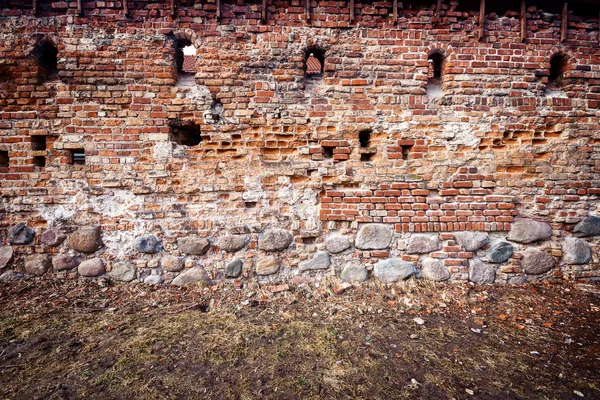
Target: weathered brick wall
point(497, 142)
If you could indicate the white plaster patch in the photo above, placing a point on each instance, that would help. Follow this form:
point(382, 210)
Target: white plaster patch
point(461, 134)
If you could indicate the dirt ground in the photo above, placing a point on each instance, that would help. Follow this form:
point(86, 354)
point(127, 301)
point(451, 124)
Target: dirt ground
point(412, 340)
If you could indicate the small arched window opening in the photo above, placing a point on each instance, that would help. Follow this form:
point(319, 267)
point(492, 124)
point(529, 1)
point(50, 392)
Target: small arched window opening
point(435, 65)
point(185, 59)
point(314, 62)
point(46, 54)
point(558, 66)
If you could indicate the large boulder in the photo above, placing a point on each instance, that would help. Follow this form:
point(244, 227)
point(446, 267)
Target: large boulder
point(233, 243)
point(234, 268)
point(576, 251)
point(373, 237)
point(91, 268)
point(37, 264)
point(471, 241)
point(172, 263)
point(434, 269)
point(148, 244)
point(527, 230)
point(52, 237)
point(354, 272)
point(267, 266)
point(337, 243)
point(86, 239)
point(421, 244)
point(393, 270)
point(123, 271)
point(536, 262)
point(6, 255)
point(20, 234)
point(66, 261)
point(319, 261)
point(195, 245)
point(499, 252)
point(480, 272)
point(590, 226)
point(275, 240)
point(192, 276)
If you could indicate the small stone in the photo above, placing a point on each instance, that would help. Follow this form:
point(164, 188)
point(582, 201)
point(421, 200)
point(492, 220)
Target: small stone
point(10, 275)
point(419, 321)
point(536, 262)
point(234, 268)
point(499, 252)
point(421, 244)
point(86, 239)
point(148, 244)
point(284, 287)
point(171, 263)
point(576, 251)
point(480, 272)
point(373, 237)
point(37, 264)
point(472, 241)
point(393, 270)
point(275, 240)
point(195, 245)
point(527, 230)
point(93, 267)
point(267, 266)
point(123, 271)
point(319, 261)
point(590, 226)
point(196, 275)
point(240, 230)
point(52, 237)
point(66, 261)
point(153, 280)
point(6, 255)
point(20, 234)
point(435, 270)
point(337, 243)
point(341, 288)
point(354, 272)
point(233, 243)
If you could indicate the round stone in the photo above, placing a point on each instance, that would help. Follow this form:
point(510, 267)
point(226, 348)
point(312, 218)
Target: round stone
point(354, 272)
point(52, 237)
point(148, 244)
point(20, 234)
point(373, 237)
point(37, 264)
point(393, 270)
point(275, 240)
point(434, 269)
point(86, 239)
point(92, 268)
point(536, 262)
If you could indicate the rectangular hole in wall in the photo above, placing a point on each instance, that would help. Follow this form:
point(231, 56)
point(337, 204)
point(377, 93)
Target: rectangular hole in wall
point(39, 161)
point(328, 151)
point(366, 156)
point(3, 158)
point(364, 137)
point(406, 152)
point(38, 143)
point(77, 157)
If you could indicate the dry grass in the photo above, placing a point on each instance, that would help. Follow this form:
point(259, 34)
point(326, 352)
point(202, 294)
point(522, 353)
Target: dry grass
point(57, 343)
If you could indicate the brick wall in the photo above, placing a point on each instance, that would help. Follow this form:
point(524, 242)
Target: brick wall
point(279, 149)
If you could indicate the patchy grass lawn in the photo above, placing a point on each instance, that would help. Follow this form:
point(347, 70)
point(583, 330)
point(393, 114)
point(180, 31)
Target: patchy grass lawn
point(74, 340)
